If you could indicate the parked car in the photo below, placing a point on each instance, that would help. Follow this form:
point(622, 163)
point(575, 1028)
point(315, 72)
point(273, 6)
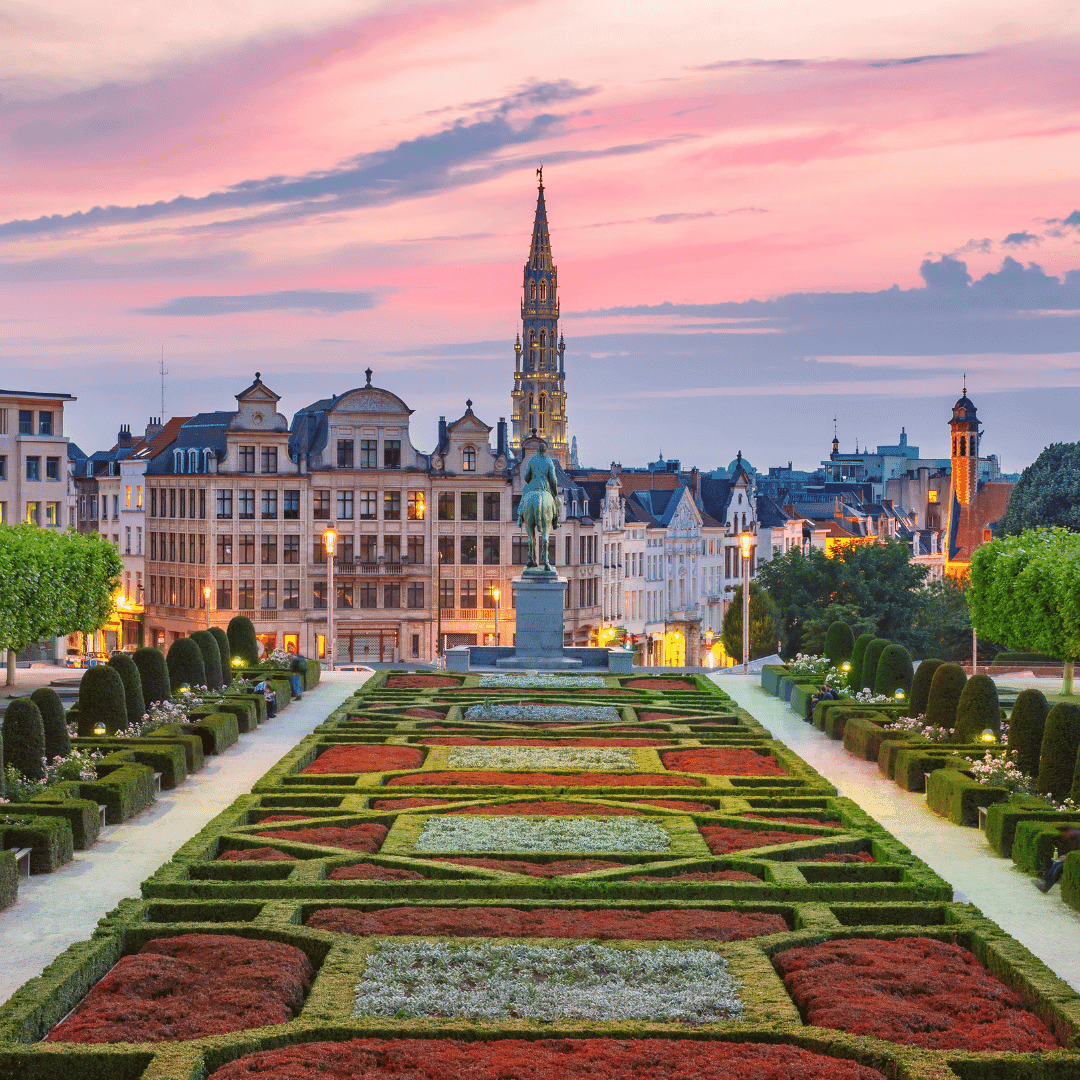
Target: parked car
point(86, 660)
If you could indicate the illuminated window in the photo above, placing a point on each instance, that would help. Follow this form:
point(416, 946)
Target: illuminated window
point(468, 459)
point(933, 497)
point(416, 506)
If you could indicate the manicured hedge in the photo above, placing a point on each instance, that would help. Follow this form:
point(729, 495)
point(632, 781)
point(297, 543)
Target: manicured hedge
point(9, 879)
point(839, 642)
point(224, 653)
point(858, 653)
point(102, 700)
point(920, 686)
point(185, 663)
point(1026, 723)
point(48, 837)
point(894, 671)
point(977, 710)
point(132, 680)
point(771, 674)
point(211, 655)
point(870, 662)
point(81, 814)
point(1002, 820)
point(864, 734)
point(953, 794)
point(154, 674)
point(1070, 880)
point(53, 720)
point(242, 639)
point(945, 689)
point(24, 738)
point(1058, 752)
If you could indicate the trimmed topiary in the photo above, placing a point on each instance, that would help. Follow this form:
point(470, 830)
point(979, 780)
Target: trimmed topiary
point(102, 700)
point(870, 662)
point(133, 691)
point(1057, 755)
point(185, 664)
point(54, 721)
point(1074, 791)
point(945, 689)
point(154, 675)
point(894, 671)
point(857, 655)
point(242, 640)
point(977, 710)
point(1026, 726)
point(839, 642)
point(222, 640)
point(211, 657)
point(920, 686)
point(24, 738)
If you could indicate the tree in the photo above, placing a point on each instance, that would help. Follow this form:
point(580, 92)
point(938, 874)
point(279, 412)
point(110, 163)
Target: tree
point(943, 621)
point(816, 628)
point(24, 738)
point(1047, 493)
point(839, 642)
point(764, 624)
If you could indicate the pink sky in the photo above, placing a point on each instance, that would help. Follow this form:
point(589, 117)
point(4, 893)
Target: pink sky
point(356, 181)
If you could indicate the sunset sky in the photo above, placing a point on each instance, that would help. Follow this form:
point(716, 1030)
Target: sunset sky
point(765, 214)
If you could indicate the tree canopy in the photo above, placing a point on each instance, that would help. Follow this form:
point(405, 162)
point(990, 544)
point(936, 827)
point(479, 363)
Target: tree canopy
point(764, 624)
point(1047, 493)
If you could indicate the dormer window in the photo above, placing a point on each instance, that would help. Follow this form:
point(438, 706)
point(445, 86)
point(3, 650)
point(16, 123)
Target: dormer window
point(178, 461)
point(468, 459)
point(193, 461)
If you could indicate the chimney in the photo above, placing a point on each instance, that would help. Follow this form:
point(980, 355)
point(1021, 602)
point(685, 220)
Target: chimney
point(500, 438)
point(442, 433)
point(695, 485)
point(154, 427)
point(123, 437)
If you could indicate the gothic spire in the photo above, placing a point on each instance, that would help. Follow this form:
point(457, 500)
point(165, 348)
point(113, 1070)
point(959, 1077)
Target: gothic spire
point(540, 248)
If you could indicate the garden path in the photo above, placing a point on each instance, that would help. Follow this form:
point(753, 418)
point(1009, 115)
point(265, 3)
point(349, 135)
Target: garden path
point(55, 910)
point(960, 855)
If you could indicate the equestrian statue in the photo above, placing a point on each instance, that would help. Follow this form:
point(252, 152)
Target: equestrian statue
point(538, 511)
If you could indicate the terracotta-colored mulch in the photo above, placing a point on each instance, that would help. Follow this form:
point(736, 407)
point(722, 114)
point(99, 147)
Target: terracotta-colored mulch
point(189, 987)
point(845, 857)
point(533, 869)
point(795, 820)
point(366, 837)
point(677, 925)
point(368, 872)
point(910, 990)
point(427, 714)
point(703, 875)
point(679, 804)
point(652, 715)
point(419, 682)
point(358, 758)
point(406, 804)
point(581, 740)
point(550, 808)
point(722, 840)
point(660, 684)
point(256, 854)
point(473, 777)
point(283, 817)
point(542, 1059)
point(722, 761)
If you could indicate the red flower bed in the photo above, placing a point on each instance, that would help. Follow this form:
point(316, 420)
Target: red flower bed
point(680, 804)
point(189, 987)
point(910, 990)
point(550, 808)
point(543, 1059)
point(534, 869)
point(845, 857)
point(367, 872)
point(470, 777)
point(406, 804)
point(723, 841)
point(367, 837)
point(652, 715)
point(551, 923)
point(581, 740)
point(361, 758)
point(283, 817)
point(795, 820)
point(660, 684)
point(528, 692)
point(427, 714)
point(722, 761)
point(704, 875)
point(419, 682)
point(256, 854)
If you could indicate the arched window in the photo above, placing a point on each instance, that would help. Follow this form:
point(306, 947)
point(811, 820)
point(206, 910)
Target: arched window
point(963, 446)
point(532, 289)
point(532, 419)
point(178, 461)
point(193, 461)
point(543, 412)
point(532, 346)
point(543, 288)
point(468, 459)
point(972, 445)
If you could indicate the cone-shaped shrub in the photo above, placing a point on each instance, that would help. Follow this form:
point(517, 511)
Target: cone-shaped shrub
point(185, 664)
point(102, 701)
point(870, 662)
point(54, 721)
point(857, 654)
point(1057, 755)
point(211, 657)
point(977, 710)
point(1074, 791)
point(894, 671)
point(945, 689)
point(839, 642)
point(920, 686)
point(24, 738)
point(132, 680)
point(242, 641)
point(154, 675)
point(222, 640)
point(1026, 724)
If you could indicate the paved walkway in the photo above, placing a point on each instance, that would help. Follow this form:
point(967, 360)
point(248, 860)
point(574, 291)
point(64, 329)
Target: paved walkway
point(55, 910)
point(960, 855)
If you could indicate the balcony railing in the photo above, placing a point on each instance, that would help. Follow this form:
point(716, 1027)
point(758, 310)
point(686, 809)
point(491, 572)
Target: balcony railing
point(475, 614)
point(375, 569)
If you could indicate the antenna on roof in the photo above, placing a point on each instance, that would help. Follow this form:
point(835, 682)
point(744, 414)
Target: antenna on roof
point(163, 374)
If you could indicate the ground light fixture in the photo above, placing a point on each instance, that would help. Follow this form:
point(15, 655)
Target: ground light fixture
point(329, 538)
point(988, 736)
point(899, 695)
point(237, 661)
point(745, 539)
point(100, 729)
point(845, 667)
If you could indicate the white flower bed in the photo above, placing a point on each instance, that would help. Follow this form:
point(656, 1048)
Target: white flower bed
point(469, 833)
point(535, 982)
point(560, 714)
point(541, 681)
point(540, 757)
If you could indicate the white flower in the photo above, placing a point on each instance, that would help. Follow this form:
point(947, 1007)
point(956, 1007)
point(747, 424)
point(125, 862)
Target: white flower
point(473, 833)
point(540, 757)
point(582, 714)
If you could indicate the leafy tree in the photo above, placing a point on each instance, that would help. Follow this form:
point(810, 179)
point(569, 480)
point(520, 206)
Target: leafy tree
point(763, 624)
point(943, 621)
point(1047, 493)
point(816, 636)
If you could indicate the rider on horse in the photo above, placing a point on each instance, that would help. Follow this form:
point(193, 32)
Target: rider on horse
point(538, 511)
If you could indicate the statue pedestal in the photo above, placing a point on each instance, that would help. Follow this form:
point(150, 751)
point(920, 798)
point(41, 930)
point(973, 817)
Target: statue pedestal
point(538, 626)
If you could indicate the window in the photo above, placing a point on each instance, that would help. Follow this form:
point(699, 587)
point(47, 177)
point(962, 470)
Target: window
point(247, 458)
point(320, 504)
point(153, 502)
point(290, 594)
point(318, 595)
point(290, 506)
point(468, 551)
point(269, 506)
point(491, 506)
point(202, 547)
point(345, 595)
point(416, 550)
point(391, 505)
point(416, 644)
point(182, 602)
point(318, 551)
point(52, 472)
point(392, 454)
point(172, 592)
point(468, 459)
point(245, 595)
point(268, 600)
point(224, 595)
point(446, 551)
point(290, 550)
point(344, 552)
point(392, 594)
point(269, 550)
point(33, 468)
point(519, 550)
point(369, 505)
point(26, 422)
point(369, 454)
point(468, 506)
point(269, 459)
point(202, 503)
point(446, 506)
point(415, 597)
point(446, 594)
point(52, 517)
point(416, 506)
point(491, 551)
point(3, 466)
point(344, 505)
point(224, 504)
point(183, 548)
point(153, 547)
point(468, 594)
point(246, 550)
point(246, 504)
point(369, 595)
point(368, 552)
point(44, 423)
point(931, 496)
point(345, 453)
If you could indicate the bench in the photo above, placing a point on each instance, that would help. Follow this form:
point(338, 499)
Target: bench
point(101, 808)
point(22, 860)
point(157, 783)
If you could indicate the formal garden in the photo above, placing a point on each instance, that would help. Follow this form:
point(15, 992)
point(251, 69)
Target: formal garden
point(467, 876)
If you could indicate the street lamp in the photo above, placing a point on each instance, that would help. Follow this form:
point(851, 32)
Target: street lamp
point(206, 596)
point(329, 539)
point(496, 594)
point(744, 540)
point(438, 612)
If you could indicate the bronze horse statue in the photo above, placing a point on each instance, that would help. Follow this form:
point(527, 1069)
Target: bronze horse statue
point(538, 511)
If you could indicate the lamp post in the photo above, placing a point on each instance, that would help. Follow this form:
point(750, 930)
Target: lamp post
point(206, 598)
point(496, 594)
point(329, 537)
point(744, 540)
point(438, 612)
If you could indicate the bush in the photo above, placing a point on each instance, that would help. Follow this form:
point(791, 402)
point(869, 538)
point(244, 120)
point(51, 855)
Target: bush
point(185, 664)
point(857, 655)
point(54, 720)
point(102, 700)
point(894, 671)
point(24, 738)
point(870, 662)
point(1057, 755)
point(977, 710)
point(242, 641)
point(1026, 726)
point(839, 642)
point(154, 675)
point(222, 640)
point(920, 686)
point(945, 690)
point(133, 691)
point(211, 657)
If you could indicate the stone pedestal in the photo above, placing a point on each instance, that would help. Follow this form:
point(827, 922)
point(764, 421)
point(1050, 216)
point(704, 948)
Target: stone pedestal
point(538, 608)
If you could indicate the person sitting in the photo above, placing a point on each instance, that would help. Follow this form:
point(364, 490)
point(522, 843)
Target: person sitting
point(1068, 840)
point(824, 694)
point(269, 696)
